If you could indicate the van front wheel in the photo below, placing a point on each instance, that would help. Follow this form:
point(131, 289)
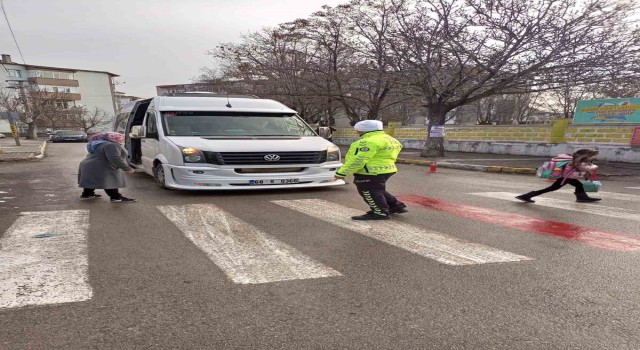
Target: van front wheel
point(158, 174)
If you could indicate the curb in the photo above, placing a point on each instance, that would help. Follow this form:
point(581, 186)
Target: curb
point(41, 151)
point(472, 167)
point(36, 155)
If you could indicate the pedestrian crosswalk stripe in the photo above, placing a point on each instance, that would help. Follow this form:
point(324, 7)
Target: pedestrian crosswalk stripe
point(609, 195)
point(43, 259)
point(586, 235)
point(633, 188)
point(424, 242)
point(245, 253)
point(590, 208)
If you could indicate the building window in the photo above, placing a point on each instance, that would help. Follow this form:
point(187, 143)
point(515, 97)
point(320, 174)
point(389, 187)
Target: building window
point(60, 89)
point(14, 73)
point(62, 104)
point(51, 74)
point(63, 75)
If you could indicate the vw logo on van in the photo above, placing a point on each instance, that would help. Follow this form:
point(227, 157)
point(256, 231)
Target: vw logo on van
point(272, 157)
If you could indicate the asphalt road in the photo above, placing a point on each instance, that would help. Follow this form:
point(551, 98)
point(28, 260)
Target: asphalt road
point(152, 281)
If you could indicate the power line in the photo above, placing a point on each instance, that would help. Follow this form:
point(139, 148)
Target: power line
point(11, 30)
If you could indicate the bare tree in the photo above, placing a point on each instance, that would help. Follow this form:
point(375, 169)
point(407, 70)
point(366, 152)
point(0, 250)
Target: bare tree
point(524, 106)
point(562, 102)
point(353, 53)
point(455, 52)
point(271, 63)
point(621, 85)
point(336, 60)
point(88, 119)
point(484, 110)
point(32, 104)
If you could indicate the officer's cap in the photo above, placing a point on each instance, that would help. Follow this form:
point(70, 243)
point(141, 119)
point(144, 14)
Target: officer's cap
point(368, 125)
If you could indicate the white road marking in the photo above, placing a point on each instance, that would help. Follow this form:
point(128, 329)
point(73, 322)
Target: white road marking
point(608, 195)
point(245, 253)
point(591, 208)
point(41, 271)
point(633, 188)
point(511, 185)
point(424, 242)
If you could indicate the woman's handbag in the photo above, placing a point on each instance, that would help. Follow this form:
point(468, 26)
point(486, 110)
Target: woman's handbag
point(593, 185)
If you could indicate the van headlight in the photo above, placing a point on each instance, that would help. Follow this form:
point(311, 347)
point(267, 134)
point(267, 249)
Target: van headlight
point(192, 155)
point(333, 154)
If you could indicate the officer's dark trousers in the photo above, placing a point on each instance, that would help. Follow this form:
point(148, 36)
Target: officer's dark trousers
point(373, 189)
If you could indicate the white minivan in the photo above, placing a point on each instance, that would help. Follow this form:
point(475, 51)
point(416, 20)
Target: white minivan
point(218, 142)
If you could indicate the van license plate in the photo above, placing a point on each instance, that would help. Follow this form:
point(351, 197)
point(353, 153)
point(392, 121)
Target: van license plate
point(274, 182)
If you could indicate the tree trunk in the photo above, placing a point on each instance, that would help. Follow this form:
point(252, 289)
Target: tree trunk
point(434, 146)
point(32, 131)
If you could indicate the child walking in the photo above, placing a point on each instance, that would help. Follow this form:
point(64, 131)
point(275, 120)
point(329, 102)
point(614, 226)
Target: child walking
point(579, 167)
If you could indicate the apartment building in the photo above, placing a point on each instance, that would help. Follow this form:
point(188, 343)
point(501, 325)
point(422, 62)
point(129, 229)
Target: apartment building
point(122, 98)
point(70, 87)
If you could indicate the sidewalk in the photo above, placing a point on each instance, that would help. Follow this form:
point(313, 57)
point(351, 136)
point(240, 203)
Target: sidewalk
point(504, 163)
point(28, 150)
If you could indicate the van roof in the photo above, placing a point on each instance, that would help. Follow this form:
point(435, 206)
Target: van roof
point(219, 104)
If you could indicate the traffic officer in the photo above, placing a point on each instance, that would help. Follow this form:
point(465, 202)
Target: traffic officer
point(372, 161)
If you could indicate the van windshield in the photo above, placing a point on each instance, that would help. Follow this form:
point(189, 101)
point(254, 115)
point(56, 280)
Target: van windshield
point(233, 124)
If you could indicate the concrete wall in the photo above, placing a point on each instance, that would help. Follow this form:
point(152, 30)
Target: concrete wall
point(5, 128)
point(95, 91)
point(613, 140)
point(537, 133)
point(615, 134)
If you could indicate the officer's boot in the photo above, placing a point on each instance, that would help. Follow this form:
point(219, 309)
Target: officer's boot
point(372, 216)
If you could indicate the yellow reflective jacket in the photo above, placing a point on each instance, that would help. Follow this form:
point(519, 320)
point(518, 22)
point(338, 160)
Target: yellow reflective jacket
point(374, 154)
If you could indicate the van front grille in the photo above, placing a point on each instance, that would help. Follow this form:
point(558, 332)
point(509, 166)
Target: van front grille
point(268, 170)
point(265, 158)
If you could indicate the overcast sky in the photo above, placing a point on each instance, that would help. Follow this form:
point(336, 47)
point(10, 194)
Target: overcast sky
point(146, 42)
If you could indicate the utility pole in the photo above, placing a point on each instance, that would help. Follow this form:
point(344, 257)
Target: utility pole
point(13, 123)
point(12, 116)
point(25, 104)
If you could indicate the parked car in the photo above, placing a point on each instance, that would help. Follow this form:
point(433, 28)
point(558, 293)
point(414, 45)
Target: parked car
point(210, 142)
point(68, 136)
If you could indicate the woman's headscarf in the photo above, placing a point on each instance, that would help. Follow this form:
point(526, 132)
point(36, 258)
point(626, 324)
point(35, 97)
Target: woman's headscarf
point(108, 136)
point(103, 137)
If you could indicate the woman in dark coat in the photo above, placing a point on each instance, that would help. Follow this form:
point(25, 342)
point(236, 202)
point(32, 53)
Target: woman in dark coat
point(105, 167)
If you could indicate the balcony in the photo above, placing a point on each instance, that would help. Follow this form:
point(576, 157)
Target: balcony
point(63, 96)
point(54, 82)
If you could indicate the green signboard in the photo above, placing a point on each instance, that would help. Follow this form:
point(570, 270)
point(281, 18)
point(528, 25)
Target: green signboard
point(615, 110)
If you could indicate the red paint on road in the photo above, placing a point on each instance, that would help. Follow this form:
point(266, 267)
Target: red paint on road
point(586, 235)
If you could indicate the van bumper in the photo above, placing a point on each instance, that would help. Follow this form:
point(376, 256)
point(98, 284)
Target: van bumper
point(216, 179)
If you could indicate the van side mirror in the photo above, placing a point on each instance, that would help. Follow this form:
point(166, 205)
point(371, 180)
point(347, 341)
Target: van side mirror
point(138, 132)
